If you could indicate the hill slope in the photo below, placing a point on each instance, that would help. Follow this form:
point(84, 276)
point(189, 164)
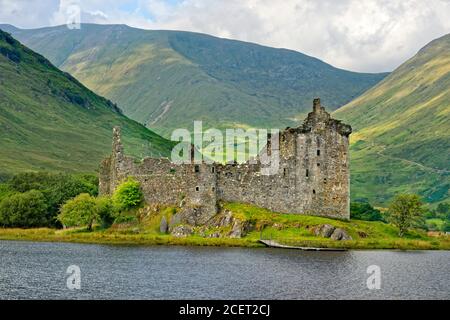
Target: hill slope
point(402, 138)
point(48, 120)
point(167, 79)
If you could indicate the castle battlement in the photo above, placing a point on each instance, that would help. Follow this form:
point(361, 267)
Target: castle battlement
point(312, 178)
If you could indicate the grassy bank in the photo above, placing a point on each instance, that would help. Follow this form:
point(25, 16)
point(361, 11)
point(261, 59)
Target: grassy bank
point(287, 229)
point(118, 238)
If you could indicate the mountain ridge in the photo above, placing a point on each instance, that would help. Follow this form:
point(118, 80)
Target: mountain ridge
point(225, 83)
point(403, 125)
point(49, 121)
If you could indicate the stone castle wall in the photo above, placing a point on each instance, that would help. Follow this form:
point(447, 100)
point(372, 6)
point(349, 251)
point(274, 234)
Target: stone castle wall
point(313, 175)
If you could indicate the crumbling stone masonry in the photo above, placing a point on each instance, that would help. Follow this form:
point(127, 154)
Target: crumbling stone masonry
point(313, 176)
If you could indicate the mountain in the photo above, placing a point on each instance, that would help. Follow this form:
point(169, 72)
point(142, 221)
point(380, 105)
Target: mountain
point(167, 79)
point(401, 141)
point(49, 121)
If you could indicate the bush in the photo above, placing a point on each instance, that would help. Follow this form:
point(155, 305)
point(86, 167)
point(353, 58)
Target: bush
point(446, 227)
point(57, 188)
point(79, 211)
point(364, 211)
point(24, 210)
point(128, 195)
point(105, 211)
point(85, 209)
point(5, 191)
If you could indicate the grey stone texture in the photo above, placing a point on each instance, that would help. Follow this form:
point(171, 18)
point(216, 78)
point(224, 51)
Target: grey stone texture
point(313, 176)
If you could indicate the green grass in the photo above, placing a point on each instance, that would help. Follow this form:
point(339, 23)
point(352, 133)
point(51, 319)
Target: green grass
point(285, 228)
point(49, 121)
point(439, 223)
point(167, 79)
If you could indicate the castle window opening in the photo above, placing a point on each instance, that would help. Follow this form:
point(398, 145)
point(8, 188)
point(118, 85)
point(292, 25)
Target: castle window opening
point(318, 152)
point(213, 169)
point(197, 188)
point(213, 189)
point(318, 164)
point(307, 173)
point(197, 168)
point(284, 172)
point(314, 191)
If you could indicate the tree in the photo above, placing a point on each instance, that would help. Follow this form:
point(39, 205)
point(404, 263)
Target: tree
point(81, 210)
point(128, 195)
point(24, 210)
point(406, 211)
point(446, 227)
point(443, 210)
point(105, 211)
point(57, 188)
point(362, 210)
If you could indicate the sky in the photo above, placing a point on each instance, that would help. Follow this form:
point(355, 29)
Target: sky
point(357, 35)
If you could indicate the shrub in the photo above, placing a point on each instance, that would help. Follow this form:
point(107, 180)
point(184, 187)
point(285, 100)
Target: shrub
point(82, 210)
point(128, 195)
point(446, 227)
point(27, 209)
point(105, 211)
point(5, 191)
point(57, 188)
point(364, 211)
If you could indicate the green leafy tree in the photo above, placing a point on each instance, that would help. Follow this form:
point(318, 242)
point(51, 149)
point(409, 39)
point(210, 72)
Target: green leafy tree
point(406, 211)
point(128, 195)
point(79, 211)
point(443, 210)
point(25, 210)
point(105, 211)
point(446, 227)
point(362, 210)
point(57, 188)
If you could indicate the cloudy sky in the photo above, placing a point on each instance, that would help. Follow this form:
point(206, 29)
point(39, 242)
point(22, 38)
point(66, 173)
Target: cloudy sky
point(359, 35)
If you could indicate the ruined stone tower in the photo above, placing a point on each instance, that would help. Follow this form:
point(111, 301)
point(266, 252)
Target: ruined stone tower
point(312, 177)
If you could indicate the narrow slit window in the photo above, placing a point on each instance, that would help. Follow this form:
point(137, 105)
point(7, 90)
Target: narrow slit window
point(213, 169)
point(307, 173)
point(284, 172)
point(318, 152)
point(197, 168)
point(314, 191)
point(197, 188)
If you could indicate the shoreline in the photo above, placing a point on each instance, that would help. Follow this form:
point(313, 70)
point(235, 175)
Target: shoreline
point(109, 238)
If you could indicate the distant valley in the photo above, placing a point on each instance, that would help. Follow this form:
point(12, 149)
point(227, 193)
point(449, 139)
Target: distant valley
point(167, 79)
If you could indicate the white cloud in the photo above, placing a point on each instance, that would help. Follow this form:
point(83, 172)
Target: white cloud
point(360, 35)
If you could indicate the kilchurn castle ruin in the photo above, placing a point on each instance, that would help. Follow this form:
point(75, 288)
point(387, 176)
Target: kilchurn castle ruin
point(313, 175)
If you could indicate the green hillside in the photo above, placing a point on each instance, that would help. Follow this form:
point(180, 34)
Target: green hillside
point(49, 121)
point(402, 138)
point(167, 79)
